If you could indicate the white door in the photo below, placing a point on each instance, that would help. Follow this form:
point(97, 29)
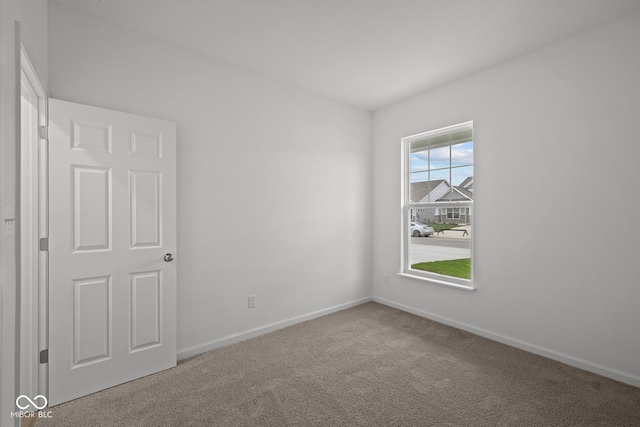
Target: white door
point(112, 214)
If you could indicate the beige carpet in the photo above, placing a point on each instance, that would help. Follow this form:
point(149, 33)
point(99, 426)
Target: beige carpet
point(366, 366)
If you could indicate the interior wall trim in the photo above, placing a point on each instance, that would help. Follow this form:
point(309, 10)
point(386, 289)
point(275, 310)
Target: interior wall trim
point(265, 329)
point(576, 362)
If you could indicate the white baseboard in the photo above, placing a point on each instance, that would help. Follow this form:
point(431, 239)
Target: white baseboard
point(265, 329)
point(531, 348)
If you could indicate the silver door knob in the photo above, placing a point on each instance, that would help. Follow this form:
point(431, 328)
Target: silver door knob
point(168, 257)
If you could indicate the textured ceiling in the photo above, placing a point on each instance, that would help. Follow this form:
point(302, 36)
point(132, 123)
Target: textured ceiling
point(368, 53)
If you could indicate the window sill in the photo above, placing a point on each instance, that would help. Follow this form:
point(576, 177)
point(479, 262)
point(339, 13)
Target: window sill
point(449, 284)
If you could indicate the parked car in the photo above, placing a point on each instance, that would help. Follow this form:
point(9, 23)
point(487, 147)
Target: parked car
point(420, 230)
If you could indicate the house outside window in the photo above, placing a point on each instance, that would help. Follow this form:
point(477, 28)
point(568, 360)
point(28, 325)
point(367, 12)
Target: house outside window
point(438, 194)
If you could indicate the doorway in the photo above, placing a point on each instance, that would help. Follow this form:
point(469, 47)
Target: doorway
point(32, 217)
point(97, 290)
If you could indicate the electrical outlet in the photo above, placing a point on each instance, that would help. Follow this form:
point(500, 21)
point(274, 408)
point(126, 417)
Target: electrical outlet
point(9, 227)
point(386, 279)
point(252, 301)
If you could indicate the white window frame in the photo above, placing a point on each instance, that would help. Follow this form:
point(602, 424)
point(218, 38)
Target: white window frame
point(453, 212)
point(405, 269)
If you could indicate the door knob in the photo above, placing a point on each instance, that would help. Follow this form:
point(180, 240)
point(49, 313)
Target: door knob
point(168, 257)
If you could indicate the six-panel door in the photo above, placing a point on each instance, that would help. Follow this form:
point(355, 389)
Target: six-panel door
point(112, 296)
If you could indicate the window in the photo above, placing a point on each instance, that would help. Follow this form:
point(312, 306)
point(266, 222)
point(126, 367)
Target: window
point(453, 213)
point(438, 206)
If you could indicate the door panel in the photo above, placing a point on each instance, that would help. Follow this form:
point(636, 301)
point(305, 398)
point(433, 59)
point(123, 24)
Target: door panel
point(91, 320)
point(146, 209)
point(91, 208)
point(112, 303)
point(146, 288)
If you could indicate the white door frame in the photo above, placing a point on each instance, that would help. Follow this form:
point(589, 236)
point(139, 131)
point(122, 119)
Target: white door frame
point(33, 176)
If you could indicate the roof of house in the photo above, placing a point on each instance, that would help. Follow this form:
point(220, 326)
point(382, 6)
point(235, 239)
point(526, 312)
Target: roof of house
point(464, 191)
point(419, 190)
point(466, 183)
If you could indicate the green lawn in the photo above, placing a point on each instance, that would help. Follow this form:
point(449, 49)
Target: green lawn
point(440, 227)
point(455, 267)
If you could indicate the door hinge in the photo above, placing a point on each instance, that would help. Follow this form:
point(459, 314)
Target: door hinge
point(44, 244)
point(43, 132)
point(44, 356)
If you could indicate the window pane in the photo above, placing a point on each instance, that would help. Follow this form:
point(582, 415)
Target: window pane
point(419, 165)
point(462, 176)
point(439, 157)
point(462, 154)
point(439, 184)
point(449, 244)
point(419, 191)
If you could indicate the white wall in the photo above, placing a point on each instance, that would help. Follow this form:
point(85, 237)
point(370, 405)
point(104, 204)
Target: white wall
point(274, 182)
point(32, 16)
point(555, 263)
